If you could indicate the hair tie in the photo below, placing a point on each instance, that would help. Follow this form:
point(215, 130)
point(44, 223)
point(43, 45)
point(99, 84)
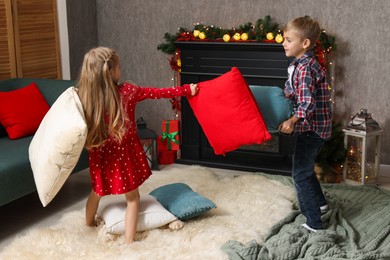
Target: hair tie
point(108, 59)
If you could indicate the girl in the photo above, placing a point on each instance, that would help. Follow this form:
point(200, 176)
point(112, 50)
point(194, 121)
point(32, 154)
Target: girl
point(117, 161)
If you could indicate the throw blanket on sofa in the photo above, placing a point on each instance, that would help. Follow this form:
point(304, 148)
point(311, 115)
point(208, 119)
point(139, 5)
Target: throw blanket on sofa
point(358, 227)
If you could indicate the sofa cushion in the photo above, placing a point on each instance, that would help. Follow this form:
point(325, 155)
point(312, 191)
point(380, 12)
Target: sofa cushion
point(228, 113)
point(16, 179)
point(22, 111)
point(51, 89)
point(57, 144)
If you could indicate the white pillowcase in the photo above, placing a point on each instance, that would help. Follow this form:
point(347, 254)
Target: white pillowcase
point(112, 209)
point(56, 146)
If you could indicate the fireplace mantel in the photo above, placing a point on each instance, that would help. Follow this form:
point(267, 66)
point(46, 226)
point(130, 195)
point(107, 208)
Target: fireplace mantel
point(261, 64)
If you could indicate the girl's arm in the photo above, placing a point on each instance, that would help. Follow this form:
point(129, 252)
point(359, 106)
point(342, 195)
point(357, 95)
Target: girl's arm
point(157, 93)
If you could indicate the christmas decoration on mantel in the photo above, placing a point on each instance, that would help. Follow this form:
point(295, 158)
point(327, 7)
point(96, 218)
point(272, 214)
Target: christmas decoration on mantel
point(264, 30)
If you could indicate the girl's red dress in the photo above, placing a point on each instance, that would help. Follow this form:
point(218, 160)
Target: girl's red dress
point(117, 168)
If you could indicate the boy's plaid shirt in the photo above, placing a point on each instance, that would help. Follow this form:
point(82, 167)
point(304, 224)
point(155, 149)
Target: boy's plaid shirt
point(310, 94)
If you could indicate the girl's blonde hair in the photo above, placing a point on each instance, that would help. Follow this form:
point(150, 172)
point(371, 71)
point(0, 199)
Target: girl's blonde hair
point(99, 95)
point(306, 27)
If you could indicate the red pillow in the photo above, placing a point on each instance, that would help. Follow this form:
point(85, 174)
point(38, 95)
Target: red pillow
point(228, 113)
point(22, 110)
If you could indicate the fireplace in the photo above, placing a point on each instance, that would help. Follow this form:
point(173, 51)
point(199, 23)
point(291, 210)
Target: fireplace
point(261, 64)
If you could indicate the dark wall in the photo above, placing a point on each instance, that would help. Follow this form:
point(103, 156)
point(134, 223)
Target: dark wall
point(82, 31)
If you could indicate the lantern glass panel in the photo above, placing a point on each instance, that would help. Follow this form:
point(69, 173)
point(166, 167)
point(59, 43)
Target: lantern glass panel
point(370, 170)
point(148, 148)
point(354, 158)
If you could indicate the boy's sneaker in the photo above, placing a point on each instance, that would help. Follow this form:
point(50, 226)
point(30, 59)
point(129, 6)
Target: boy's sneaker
point(309, 228)
point(324, 208)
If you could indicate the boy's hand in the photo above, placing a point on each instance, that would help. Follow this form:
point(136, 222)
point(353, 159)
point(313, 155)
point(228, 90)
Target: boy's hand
point(287, 127)
point(194, 89)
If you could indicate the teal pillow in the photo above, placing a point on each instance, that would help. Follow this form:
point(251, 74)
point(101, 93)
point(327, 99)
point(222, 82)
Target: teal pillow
point(274, 106)
point(182, 201)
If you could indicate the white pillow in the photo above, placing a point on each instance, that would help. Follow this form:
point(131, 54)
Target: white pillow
point(152, 214)
point(56, 146)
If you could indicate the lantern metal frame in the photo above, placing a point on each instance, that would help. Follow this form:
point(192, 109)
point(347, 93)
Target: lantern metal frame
point(144, 134)
point(364, 136)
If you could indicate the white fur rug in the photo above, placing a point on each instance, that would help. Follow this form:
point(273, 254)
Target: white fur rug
point(247, 207)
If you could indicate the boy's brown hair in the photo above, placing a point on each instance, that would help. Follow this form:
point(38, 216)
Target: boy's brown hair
point(306, 27)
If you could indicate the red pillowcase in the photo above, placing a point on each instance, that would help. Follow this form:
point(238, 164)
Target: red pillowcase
point(22, 110)
point(228, 113)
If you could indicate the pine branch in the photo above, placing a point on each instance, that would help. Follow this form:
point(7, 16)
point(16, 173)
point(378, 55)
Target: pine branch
point(168, 47)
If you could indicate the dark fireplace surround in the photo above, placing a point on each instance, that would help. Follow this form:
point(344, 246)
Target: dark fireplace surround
point(261, 64)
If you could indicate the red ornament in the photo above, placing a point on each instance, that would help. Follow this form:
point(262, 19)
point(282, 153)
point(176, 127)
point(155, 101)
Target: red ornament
point(186, 36)
point(173, 64)
point(173, 61)
point(176, 104)
point(320, 54)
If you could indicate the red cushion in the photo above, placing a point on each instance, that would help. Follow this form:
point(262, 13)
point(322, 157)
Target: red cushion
point(22, 110)
point(228, 113)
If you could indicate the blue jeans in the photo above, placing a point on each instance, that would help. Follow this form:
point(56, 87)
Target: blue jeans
point(307, 186)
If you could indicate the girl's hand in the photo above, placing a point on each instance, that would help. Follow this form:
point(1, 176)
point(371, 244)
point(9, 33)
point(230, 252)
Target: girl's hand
point(194, 89)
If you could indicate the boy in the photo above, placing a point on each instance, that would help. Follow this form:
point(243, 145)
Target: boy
point(312, 119)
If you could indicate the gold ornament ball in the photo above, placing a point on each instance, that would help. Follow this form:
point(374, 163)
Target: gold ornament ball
point(244, 36)
point(202, 35)
point(178, 62)
point(226, 37)
point(279, 38)
point(237, 36)
point(270, 36)
point(196, 33)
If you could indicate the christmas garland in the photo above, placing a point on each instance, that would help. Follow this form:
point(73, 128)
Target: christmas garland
point(264, 30)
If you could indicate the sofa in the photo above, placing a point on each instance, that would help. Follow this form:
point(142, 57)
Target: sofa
point(16, 176)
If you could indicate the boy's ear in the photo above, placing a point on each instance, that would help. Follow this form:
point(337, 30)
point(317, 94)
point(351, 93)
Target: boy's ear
point(306, 43)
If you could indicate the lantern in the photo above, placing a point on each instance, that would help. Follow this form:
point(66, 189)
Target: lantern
point(149, 141)
point(362, 140)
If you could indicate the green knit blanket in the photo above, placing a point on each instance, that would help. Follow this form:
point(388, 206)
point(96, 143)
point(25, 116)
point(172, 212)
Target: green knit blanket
point(357, 227)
